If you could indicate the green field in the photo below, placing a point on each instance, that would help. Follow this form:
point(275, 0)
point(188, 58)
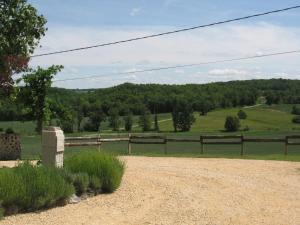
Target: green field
point(263, 121)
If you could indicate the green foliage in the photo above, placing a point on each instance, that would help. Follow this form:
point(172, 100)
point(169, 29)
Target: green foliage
point(247, 128)
point(296, 110)
point(44, 187)
point(21, 28)
point(9, 131)
point(64, 116)
point(128, 119)
point(81, 182)
point(145, 120)
point(93, 105)
point(232, 124)
point(1, 212)
point(108, 169)
point(12, 191)
point(296, 119)
point(156, 126)
point(114, 119)
point(29, 188)
point(203, 106)
point(242, 115)
point(34, 94)
point(96, 117)
point(272, 98)
point(95, 183)
point(182, 115)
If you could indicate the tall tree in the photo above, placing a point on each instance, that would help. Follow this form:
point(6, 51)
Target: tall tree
point(21, 28)
point(114, 119)
point(182, 115)
point(145, 120)
point(128, 119)
point(34, 94)
point(156, 127)
point(96, 117)
point(232, 123)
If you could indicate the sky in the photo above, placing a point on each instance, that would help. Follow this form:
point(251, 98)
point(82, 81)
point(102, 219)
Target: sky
point(77, 23)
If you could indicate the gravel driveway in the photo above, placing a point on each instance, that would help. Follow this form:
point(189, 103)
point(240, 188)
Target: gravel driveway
point(188, 191)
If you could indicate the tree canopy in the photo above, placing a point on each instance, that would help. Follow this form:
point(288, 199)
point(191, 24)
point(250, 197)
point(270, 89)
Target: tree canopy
point(21, 28)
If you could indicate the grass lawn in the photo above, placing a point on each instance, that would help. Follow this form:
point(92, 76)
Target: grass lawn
point(263, 121)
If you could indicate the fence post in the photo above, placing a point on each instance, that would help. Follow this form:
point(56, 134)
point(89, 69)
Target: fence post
point(201, 142)
point(129, 144)
point(242, 145)
point(286, 145)
point(166, 147)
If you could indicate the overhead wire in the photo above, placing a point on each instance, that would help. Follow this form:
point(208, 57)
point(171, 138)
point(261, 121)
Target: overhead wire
point(181, 66)
point(165, 33)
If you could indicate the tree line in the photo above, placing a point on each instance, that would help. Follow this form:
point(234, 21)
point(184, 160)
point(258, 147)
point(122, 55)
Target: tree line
point(87, 109)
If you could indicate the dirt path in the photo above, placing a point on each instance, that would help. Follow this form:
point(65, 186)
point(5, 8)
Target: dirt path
point(189, 191)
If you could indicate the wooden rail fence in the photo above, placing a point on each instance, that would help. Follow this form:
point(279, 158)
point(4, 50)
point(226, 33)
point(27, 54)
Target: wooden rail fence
point(163, 140)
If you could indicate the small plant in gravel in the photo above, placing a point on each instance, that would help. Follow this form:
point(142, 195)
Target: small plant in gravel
point(107, 168)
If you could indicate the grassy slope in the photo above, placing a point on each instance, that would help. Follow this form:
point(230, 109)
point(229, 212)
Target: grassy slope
point(261, 118)
point(262, 121)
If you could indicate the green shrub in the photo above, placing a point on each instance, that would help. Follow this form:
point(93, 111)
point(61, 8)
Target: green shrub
point(12, 191)
point(44, 186)
point(232, 123)
point(106, 167)
point(246, 128)
point(95, 184)
point(81, 183)
point(67, 175)
point(9, 131)
point(28, 188)
point(242, 115)
point(296, 119)
point(1, 212)
point(296, 110)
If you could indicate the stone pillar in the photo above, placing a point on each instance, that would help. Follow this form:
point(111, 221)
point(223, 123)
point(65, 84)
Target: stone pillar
point(53, 145)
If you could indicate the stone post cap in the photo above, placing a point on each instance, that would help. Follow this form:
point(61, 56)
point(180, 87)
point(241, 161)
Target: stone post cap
point(52, 129)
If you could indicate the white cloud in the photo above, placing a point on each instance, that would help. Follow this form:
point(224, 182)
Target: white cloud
point(235, 72)
point(204, 45)
point(189, 47)
point(135, 11)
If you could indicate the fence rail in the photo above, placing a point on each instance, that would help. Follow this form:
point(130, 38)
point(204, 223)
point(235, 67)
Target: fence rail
point(163, 140)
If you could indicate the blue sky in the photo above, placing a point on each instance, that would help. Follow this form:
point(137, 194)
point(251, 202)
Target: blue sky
point(76, 23)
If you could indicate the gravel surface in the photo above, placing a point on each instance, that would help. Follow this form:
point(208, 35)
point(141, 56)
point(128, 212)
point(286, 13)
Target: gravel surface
point(188, 191)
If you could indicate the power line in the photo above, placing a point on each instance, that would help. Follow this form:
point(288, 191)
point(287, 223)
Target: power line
point(181, 66)
point(165, 33)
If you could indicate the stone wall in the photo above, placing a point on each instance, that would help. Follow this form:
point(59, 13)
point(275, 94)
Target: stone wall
point(10, 147)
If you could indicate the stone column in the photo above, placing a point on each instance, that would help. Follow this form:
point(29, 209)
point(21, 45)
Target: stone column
point(53, 145)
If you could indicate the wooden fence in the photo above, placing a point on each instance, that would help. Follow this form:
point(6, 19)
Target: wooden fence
point(163, 140)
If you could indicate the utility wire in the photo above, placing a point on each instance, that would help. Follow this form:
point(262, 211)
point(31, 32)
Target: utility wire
point(166, 33)
point(182, 66)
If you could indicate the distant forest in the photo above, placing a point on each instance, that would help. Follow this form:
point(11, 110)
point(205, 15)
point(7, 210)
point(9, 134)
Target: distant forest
point(135, 99)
